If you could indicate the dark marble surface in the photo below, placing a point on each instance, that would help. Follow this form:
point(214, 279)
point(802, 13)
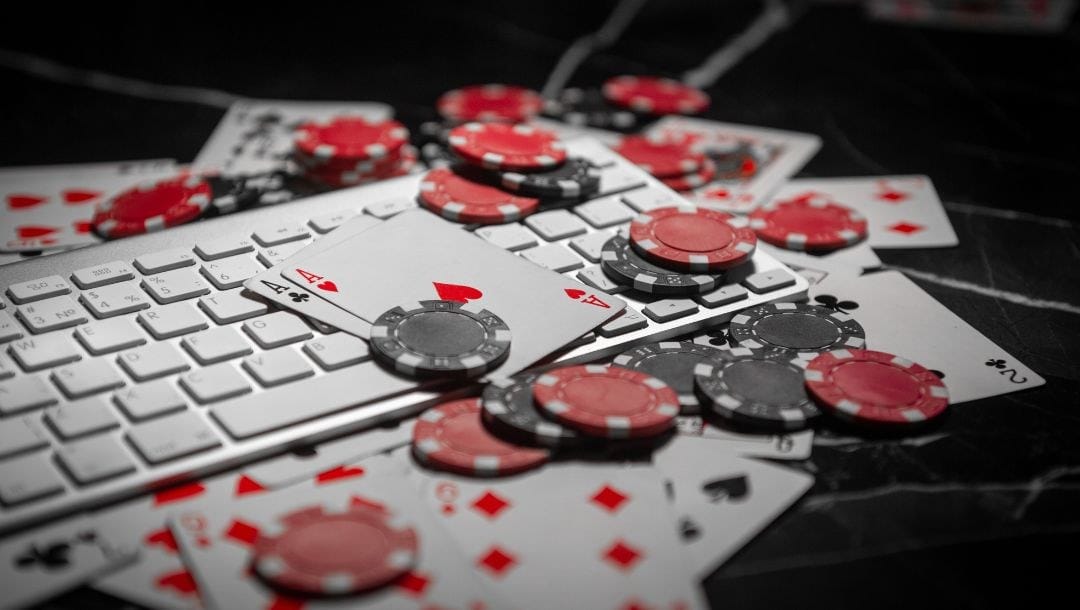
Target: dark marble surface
point(985, 510)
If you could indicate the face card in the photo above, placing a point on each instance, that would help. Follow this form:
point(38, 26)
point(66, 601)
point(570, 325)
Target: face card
point(52, 206)
point(257, 135)
point(902, 319)
point(901, 211)
point(752, 162)
point(418, 256)
point(791, 446)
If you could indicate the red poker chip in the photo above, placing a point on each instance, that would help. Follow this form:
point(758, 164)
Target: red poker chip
point(693, 180)
point(325, 553)
point(451, 437)
point(653, 95)
point(400, 166)
point(152, 207)
point(693, 239)
point(607, 401)
point(661, 157)
point(493, 102)
point(808, 223)
point(350, 139)
point(507, 147)
point(866, 386)
point(366, 166)
point(457, 198)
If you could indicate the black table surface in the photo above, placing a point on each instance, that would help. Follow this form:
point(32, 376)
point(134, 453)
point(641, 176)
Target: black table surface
point(984, 512)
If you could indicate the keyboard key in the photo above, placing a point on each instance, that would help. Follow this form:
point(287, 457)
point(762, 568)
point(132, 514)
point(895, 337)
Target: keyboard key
point(166, 260)
point(213, 249)
point(272, 236)
point(20, 436)
point(216, 345)
point(213, 383)
point(337, 351)
point(172, 286)
point(95, 459)
point(667, 310)
point(617, 179)
point(629, 321)
point(277, 366)
point(722, 296)
point(35, 290)
point(277, 329)
point(27, 478)
point(149, 400)
point(554, 257)
point(591, 245)
point(603, 213)
point(115, 300)
point(331, 221)
point(173, 320)
point(100, 275)
point(272, 256)
point(232, 306)
point(36, 353)
point(81, 418)
point(230, 272)
point(512, 237)
point(9, 328)
point(173, 437)
point(87, 377)
point(7, 367)
point(25, 393)
point(154, 360)
point(109, 335)
point(556, 224)
point(390, 207)
point(594, 276)
point(51, 314)
point(648, 199)
point(767, 281)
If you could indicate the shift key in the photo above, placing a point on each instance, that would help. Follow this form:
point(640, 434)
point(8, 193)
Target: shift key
point(172, 437)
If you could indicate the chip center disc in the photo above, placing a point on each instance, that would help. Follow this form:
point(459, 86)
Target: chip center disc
point(876, 383)
point(796, 331)
point(441, 333)
point(765, 381)
point(675, 368)
point(810, 220)
point(329, 545)
point(462, 433)
point(471, 193)
point(513, 144)
point(694, 233)
point(608, 396)
point(155, 202)
point(347, 134)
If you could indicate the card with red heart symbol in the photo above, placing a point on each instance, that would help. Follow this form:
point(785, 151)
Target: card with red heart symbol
point(418, 256)
point(50, 207)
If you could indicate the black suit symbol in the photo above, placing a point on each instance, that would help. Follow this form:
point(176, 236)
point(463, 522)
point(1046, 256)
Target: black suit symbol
point(731, 488)
point(997, 363)
point(830, 302)
point(52, 555)
point(688, 529)
point(299, 298)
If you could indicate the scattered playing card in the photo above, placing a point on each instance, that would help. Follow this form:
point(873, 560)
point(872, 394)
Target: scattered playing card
point(852, 260)
point(791, 446)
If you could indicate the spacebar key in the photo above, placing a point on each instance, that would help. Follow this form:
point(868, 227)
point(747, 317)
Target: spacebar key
point(254, 414)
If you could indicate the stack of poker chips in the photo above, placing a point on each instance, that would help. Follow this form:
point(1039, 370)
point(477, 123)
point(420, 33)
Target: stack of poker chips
point(350, 151)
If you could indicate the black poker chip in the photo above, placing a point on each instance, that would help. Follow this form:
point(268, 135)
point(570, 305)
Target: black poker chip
point(509, 408)
point(623, 265)
point(758, 388)
point(440, 338)
point(573, 179)
point(588, 108)
point(672, 362)
point(796, 327)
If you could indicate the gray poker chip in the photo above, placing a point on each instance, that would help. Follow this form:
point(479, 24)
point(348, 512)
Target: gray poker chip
point(436, 155)
point(509, 407)
point(796, 327)
point(588, 108)
point(626, 267)
point(440, 338)
point(573, 179)
point(672, 362)
point(759, 388)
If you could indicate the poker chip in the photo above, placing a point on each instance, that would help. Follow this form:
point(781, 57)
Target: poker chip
point(457, 198)
point(152, 207)
point(662, 157)
point(622, 264)
point(673, 363)
point(869, 387)
point(608, 401)
point(507, 147)
point(349, 139)
point(367, 167)
point(451, 437)
point(509, 403)
point(399, 166)
point(588, 108)
point(693, 180)
point(655, 95)
point(573, 179)
point(796, 327)
point(808, 223)
point(317, 552)
point(492, 102)
point(761, 389)
point(444, 338)
point(436, 155)
point(692, 239)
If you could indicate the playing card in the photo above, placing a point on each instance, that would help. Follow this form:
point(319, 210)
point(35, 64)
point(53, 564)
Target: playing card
point(901, 211)
point(902, 319)
point(752, 161)
point(49, 207)
point(41, 563)
point(722, 500)
point(790, 446)
point(257, 135)
point(852, 260)
point(418, 256)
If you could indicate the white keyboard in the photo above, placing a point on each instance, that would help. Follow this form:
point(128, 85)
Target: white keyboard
point(141, 362)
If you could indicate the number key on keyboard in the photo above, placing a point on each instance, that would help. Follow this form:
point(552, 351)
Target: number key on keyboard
point(95, 459)
point(109, 335)
point(277, 254)
point(172, 286)
point(100, 275)
point(272, 236)
point(41, 288)
point(213, 249)
point(277, 329)
point(166, 260)
point(51, 314)
point(230, 272)
point(172, 437)
point(36, 353)
point(115, 300)
point(172, 320)
point(27, 478)
point(232, 306)
point(87, 377)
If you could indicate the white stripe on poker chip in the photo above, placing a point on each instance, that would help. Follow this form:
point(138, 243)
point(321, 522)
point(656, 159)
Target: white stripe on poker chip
point(698, 260)
point(729, 402)
point(407, 362)
point(337, 583)
point(452, 210)
point(510, 212)
point(427, 446)
point(492, 160)
point(617, 426)
point(556, 406)
point(271, 566)
point(848, 236)
point(849, 407)
point(913, 415)
point(503, 335)
point(939, 391)
point(547, 380)
point(569, 188)
point(703, 368)
point(154, 223)
point(473, 362)
point(379, 332)
point(796, 241)
point(647, 244)
point(654, 383)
